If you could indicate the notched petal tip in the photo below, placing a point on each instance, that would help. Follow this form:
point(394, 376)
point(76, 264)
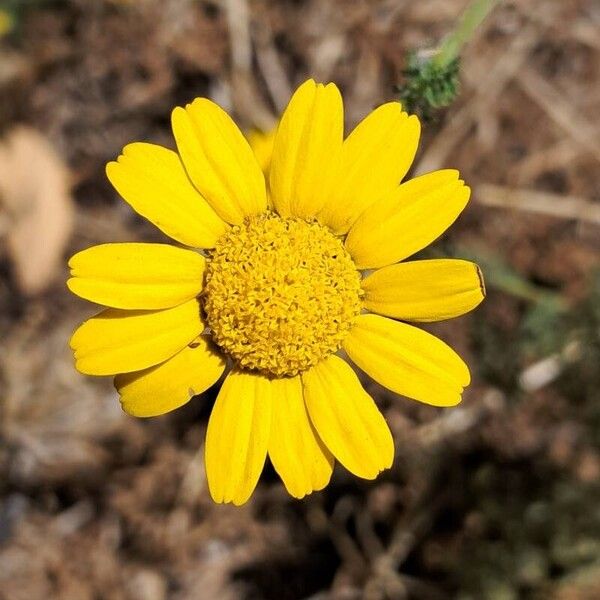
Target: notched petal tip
point(72, 285)
point(413, 119)
point(239, 501)
point(308, 491)
point(110, 167)
point(132, 147)
point(220, 498)
point(179, 111)
point(465, 381)
point(331, 85)
point(200, 102)
point(81, 369)
point(467, 190)
point(71, 262)
point(179, 120)
point(128, 410)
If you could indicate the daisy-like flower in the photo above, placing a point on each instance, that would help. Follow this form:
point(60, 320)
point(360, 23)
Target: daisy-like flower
point(282, 283)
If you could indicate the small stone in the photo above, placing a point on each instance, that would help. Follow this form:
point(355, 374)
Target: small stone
point(147, 585)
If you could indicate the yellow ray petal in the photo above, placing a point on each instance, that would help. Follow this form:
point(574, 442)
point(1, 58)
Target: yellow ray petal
point(407, 360)
point(295, 449)
point(347, 419)
point(152, 180)
point(133, 275)
point(306, 148)
point(261, 143)
point(172, 384)
point(375, 157)
point(408, 219)
point(118, 341)
point(219, 160)
point(237, 437)
point(424, 290)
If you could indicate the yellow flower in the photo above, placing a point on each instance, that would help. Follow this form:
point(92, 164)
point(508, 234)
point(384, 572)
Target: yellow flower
point(277, 292)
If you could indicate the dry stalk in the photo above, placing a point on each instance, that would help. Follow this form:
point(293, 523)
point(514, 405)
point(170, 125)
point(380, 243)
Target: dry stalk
point(544, 203)
point(560, 109)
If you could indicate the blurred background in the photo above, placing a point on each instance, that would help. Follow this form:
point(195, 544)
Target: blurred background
point(496, 499)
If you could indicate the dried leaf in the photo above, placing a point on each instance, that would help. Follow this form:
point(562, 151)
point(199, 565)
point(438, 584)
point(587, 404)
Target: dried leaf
point(36, 202)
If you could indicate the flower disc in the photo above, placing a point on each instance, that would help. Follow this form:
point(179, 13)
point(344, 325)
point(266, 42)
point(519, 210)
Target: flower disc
point(280, 294)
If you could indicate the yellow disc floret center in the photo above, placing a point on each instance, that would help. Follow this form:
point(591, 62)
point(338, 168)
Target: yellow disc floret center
point(280, 294)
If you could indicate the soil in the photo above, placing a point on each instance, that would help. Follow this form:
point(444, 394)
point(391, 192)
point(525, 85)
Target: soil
point(496, 499)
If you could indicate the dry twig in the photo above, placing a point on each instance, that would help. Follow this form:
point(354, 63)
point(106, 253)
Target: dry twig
point(544, 203)
point(560, 110)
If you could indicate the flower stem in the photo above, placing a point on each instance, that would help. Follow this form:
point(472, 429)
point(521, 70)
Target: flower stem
point(470, 20)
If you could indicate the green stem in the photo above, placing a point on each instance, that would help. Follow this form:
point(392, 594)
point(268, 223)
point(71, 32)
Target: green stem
point(470, 20)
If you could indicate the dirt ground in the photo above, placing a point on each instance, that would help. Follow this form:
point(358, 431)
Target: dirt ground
point(496, 499)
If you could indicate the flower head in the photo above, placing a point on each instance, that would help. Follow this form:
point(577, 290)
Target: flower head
point(283, 281)
point(428, 84)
